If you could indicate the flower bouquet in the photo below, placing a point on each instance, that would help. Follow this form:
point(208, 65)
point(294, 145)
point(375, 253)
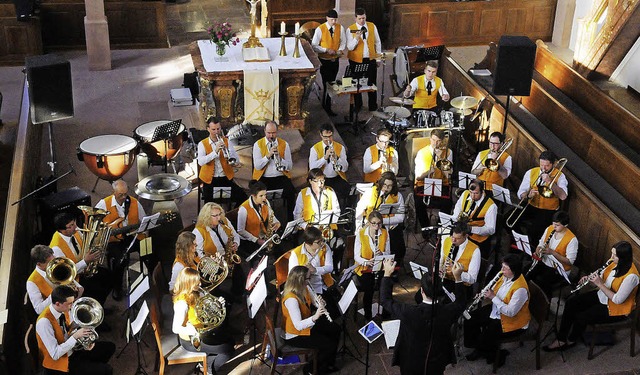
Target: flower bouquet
point(221, 35)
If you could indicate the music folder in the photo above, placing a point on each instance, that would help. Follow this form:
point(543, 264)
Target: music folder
point(464, 179)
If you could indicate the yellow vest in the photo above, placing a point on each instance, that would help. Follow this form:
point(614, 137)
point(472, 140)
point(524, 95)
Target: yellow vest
point(356, 54)
point(207, 171)
point(523, 316)
point(62, 363)
point(366, 251)
point(191, 317)
point(208, 246)
point(326, 41)
point(302, 261)
point(133, 217)
point(337, 147)
point(262, 146)
point(58, 241)
point(307, 204)
point(488, 176)
point(538, 200)
point(561, 248)
point(254, 224)
point(373, 205)
point(477, 217)
point(305, 312)
point(375, 175)
point(43, 286)
point(427, 156)
point(629, 304)
point(465, 257)
point(422, 99)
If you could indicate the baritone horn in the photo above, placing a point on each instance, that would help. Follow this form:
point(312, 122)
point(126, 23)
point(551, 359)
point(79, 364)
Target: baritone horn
point(492, 164)
point(61, 271)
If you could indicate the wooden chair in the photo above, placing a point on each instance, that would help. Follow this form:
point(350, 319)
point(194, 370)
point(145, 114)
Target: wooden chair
point(281, 266)
point(170, 352)
point(539, 308)
point(630, 323)
point(159, 288)
point(278, 348)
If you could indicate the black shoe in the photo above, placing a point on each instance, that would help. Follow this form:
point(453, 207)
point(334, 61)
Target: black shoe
point(474, 355)
point(373, 108)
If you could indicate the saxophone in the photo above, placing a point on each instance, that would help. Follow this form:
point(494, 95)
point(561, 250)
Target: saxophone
point(327, 231)
point(269, 234)
point(230, 255)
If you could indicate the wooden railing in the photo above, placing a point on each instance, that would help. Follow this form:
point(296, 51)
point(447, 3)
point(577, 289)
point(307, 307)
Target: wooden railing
point(17, 39)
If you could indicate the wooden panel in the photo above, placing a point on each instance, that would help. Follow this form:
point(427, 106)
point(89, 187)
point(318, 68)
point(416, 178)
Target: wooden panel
point(463, 21)
point(410, 21)
point(17, 39)
point(490, 22)
point(437, 22)
point(543, 18)
point(299, 10)
point(516, 21)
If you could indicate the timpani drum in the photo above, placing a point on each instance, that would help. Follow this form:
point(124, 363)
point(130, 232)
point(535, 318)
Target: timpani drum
point(405, 66)
point(157, 150)
point(108, 156)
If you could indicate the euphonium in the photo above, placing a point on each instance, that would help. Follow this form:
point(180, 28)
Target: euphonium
point(478, 298)
point(211, 312)
point(546, 190)
point(95, 237)
point(492, 164)
point(86, 312)
point(213, 270)
point(61, 271)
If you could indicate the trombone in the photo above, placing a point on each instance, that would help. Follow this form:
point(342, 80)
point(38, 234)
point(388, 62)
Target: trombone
point(492, 164)
point(547, 190)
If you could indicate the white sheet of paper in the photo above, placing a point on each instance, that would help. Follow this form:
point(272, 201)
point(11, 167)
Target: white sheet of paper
point(148, 222)
point(446, 220)
point(464, 179)
point(501, 194)
point(221, 192)
point(291, 227)
point(4, 314)
point(418, 270)
point(433, 187)
point(347, 297)
point(136, 325)
point(257, 272)
point(522, 242)
point(128, 333)
point(378, 259)
point(391, 328)
point(256, 297)
point(139, 291)
point(136, 282)
point(391, 208)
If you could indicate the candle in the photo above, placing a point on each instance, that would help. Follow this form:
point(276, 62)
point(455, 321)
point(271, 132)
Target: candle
point(297, 28)
point(282, 27)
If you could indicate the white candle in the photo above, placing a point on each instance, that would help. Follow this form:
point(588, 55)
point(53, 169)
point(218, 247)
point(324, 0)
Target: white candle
point(282, 27)
point(297, 28)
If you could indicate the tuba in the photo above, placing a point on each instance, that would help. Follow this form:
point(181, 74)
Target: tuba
point(213, 270)
point(211, 312)
point(95, 237)
point(86, 312)
point(61, 271)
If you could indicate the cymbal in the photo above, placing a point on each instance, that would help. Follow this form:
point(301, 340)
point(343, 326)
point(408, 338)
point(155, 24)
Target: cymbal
point(466, 111)
point(403, 101)
point(464, 102)
point(400, 112)
point(382, 115)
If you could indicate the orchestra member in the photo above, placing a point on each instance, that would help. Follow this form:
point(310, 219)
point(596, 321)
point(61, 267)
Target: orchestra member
point(426, 166)
point(370, 241)
point(480, 213)
point(255, 219)
point(186, 256)
point(316, 202)
point(39, 287)
point(540, 211)
point(217, 165)
point(67, 242)
point(331, 157)
point(507, 315)
point(558, 247)
point(457, 248)
point(124, 210)
point(329, 40)
point(385, 191)
point(304, 329)
point(216, 343)
point(423, 328)
point(496, 140)
point(426, 88)
point(364, 45)
point(215, 235)
point(272, 165)
point(56, 344)
point(379, 157)
point(612, 302)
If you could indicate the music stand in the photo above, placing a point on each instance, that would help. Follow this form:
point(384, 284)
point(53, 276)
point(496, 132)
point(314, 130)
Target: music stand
point(464, 179)
point(164, 133)
point(221, 192)
point(432, 188)
point(350, 292)
point(255, 300)
point(359, 71)
point(522, 242)
point(429, 53)
point(274, 194)
point(370, 332)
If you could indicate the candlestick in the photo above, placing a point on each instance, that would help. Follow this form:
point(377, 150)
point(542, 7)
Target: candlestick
point(283, 50)
point(296, 49)
point(283, 28)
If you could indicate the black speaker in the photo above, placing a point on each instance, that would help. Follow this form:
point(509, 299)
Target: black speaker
point(50, 92)
point(65, 201)
point(514, 66)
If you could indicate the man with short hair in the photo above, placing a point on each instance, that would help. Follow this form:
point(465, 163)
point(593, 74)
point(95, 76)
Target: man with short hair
point(328, 41)
point(426, 88)
point(496, 140)
point(458, 249)
point(380, 157)
point(331, 157)
point(475, 208)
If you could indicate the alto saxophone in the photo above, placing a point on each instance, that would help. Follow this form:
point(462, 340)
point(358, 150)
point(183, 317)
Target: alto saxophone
point(230, 255)
point(269, 234)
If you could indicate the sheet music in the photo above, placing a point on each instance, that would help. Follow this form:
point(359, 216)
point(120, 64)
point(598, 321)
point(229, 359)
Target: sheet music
point(257, 272)
point(349, 294)
point(274, 194)
point(418, 270)
point(391, 208)
point(347, 274)
point(446, 220)
point(291, 226)
point(137, 324)
point(522, 242)
point(221, 192)
point(363, 187)
point(560, 268)
point(501, 194)
point(139, 291)
point(257, 296)
point(451, 296)
point(378, 259)
point(391, 328)
point(148, 222)
point(328, 218)
point(433, 187)
point(464, 179)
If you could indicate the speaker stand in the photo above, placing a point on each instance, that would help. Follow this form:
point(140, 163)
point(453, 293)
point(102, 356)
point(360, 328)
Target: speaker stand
point(52, 163)
point(506, 116)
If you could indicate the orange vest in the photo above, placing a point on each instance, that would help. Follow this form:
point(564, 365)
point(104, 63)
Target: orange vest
point(42, 284)
point(207, 171)
point(465, 257)
point(133, 217)
point(375, 175)
point(356, 54)
point(326, 41)
point(58, 241)
point(488, 176)
point(254, 224)
point(302, 261)
point(629, 304)
point(262, 146)
point(62, 363)
point(422, 99)
point(523, 316)
point(337, 147)
point(305, 312)
point(561, 248)
point(366, 251)
point(373, 205)
point(427, 155)
point(477, 217)
point(208, 246)
point(538, 200)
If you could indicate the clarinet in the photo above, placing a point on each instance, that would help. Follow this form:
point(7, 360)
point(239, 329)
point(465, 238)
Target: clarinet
point(478, 298)
point(538, 257)
point(318, 301)
point(586, 280)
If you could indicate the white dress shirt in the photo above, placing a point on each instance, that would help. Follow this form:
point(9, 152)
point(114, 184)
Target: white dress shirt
point(489, 227)
point(387, 220)
point(175, 270)
point(242, 221)
point(44, 329)
point(562, 183)
point(366, 161)
point(180, 310)
point(627, 286)
point(316, 161)
point(259, 161)
point(293, 307)
point(414, 86)
point(518, 299)
point(102, 204)
point(324, 214)
point(35, 296)
point(357, 248)
point(57, 252)
point(317, 37)
point(315, 279)
point(420, 166)
point(352, 41)
point(214, 238)
point(470, 275)
point(204, 158)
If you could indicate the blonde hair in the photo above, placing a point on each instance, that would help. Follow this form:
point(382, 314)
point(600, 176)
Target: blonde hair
point(184, 251)
point(297, 282)
point(186, 284)
point(204, 217)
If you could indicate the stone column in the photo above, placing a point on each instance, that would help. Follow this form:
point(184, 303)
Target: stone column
point(346, 12)
point(562, 26)
point(96, 30)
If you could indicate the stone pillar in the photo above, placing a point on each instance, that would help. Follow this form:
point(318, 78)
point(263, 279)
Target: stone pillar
point(346, 12)
point(562, 26)
point(96, 30)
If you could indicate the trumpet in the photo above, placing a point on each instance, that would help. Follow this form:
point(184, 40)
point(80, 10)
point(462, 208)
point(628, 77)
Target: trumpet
point(334, 159)
point(492, 164)
point(478, 298)
point(318, 301)
point(587, 278)
point(219, 142)
point(276, 158)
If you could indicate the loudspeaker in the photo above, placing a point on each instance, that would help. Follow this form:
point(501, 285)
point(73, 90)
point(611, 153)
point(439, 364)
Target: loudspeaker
point(514, 66)
point(65, 201)
point(50, 92)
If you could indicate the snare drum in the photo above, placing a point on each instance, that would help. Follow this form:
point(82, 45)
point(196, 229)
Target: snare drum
point(108, 156)
point(405, 66)
point(426, 119)
point(446, 118)
point(398, 123)
point(158, 150)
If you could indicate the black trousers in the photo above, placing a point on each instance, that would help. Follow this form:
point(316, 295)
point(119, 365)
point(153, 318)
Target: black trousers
point(328, 72)
point(484, 333)
point(288, 191)
point(372, 76)
point(442, 204)
point(218, 346)
point(546, 277)
point(117, 264)
point(367, 285)
point(98, 286)
point(397, 245)
point(238, 196)
point(580, 311)
point(324, 337)
point(92, 361)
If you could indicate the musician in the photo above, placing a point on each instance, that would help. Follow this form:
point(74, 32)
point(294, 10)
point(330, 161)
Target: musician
point(329, 40)
point(557, 242)
point(304, 329)
point(218, 344)
point(124, 210)
point(425, 167)
point(39, 287)
point(255, 219)
point(379, 157)
point(215, 169)
point(459, 249)
point(496, 141)
point(370, 241)
point(316, 203)
point(364, 45)
point(540, 211)
point(331, 157)
point(56, 345)
point(423, 328)
point(215, 235)
point(507, 315)
point(186, 256)
point(612, 302)
point(317, 257)
point(269, 155)
point(385, 191)
point(426, 88)
point(67, 242)
point(479, 212)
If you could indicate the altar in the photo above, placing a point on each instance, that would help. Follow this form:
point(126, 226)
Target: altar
point(222, 82)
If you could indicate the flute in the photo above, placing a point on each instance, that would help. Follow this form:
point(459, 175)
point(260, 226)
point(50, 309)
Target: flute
point(318, 301)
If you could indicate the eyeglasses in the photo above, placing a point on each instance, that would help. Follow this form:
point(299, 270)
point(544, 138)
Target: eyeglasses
point(384, 142)
point(319, 242)
point(495, 143)
point(375, 223)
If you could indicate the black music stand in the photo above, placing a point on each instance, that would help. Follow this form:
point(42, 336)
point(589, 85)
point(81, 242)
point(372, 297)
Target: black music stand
point(429, 53)
point(251, 289)
point(359, 71)
point(165, 133)
point(345, 334)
